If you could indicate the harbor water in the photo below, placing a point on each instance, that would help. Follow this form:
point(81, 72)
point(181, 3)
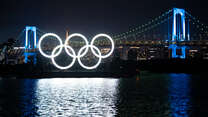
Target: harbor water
point(147, 95)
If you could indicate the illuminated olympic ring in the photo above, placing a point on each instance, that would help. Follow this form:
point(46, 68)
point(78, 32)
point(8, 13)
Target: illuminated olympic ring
point(80, 54)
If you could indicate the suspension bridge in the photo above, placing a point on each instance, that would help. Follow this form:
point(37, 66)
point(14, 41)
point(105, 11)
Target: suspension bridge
point(173, 34)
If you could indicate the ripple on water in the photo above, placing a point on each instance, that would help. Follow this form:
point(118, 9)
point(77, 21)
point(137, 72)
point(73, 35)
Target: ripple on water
point(152, 95)
point(81, 97)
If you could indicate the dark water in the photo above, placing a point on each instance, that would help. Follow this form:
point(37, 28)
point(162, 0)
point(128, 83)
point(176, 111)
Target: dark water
point(150, 95)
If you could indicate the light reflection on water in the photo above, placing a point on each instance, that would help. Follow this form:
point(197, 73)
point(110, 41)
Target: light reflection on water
point(179, 95)
point(152, 94)
point(80, 97)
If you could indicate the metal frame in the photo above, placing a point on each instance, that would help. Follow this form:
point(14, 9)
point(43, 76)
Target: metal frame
point(28, 44)
point(176, 31)
point(27, 40)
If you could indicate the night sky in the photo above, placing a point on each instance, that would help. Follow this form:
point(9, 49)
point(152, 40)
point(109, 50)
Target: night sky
point(87, 17)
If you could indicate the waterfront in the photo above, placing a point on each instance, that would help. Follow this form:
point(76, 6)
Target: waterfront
point(150, 95)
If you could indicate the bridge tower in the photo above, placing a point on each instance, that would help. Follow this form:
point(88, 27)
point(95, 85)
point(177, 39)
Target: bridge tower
point(178, 33)
point(30, 44)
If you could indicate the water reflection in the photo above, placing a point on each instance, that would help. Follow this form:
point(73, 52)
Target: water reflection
point(80, 97)
point(27, 98)
point(179, 95)
point(152, 94)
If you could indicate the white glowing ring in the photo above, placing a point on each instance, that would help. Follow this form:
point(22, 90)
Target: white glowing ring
point(80, 62)
point(76, 35)
point(68, 66)
point(41, 39)
point(112, 45)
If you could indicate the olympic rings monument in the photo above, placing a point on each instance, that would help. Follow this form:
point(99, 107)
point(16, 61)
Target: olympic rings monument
point(81, 53)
